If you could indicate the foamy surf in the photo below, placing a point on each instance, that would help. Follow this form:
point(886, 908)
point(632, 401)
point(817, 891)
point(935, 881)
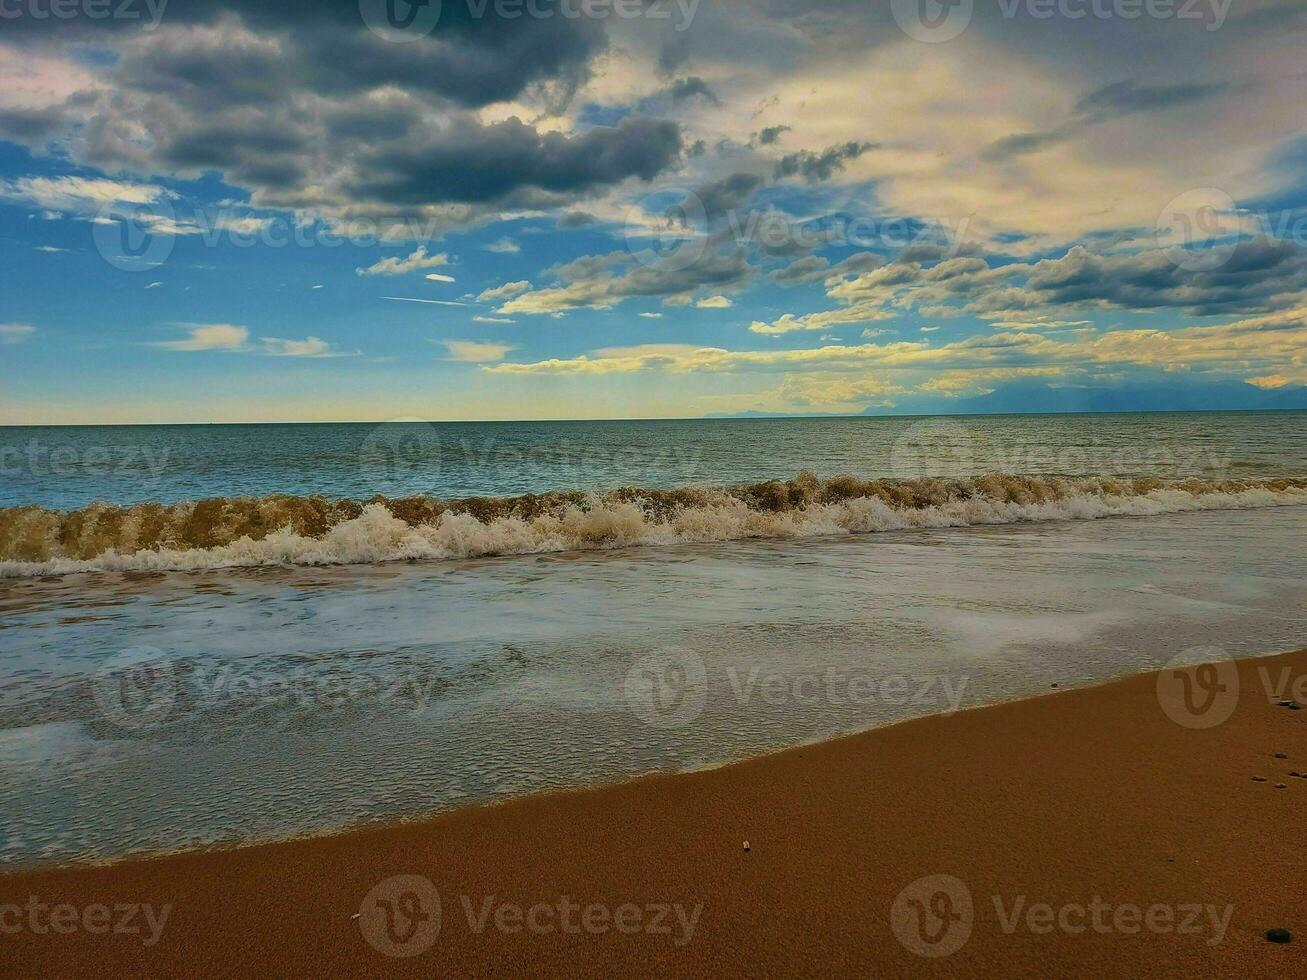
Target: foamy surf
point(279, 530)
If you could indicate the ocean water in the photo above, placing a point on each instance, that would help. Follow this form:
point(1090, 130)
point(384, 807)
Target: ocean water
point(265, 631)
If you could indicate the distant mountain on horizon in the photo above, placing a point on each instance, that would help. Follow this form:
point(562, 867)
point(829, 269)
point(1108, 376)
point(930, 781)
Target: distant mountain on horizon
point(1037, 398)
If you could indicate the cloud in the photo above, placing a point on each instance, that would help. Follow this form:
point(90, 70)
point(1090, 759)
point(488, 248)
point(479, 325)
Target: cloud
point(714, 303)
point(816, 268)
point(1104, 104)
point(209, 336)
point(603, 281)
point(650, 316)
point(308, 347)
point(814, 167)
point(235, 339)
point(16, 333)
point(439, 277)
point(504, 246)
point(476, 351)
point(417, 260)
point(82, 196)
point(492, 319)
point(506, 291)
point(687, 88)
point(510, 163)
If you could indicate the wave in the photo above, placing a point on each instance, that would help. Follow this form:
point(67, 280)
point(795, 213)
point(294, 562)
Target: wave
point(277, 530)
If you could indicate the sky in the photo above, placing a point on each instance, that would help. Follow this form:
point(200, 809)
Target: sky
point(230, 210)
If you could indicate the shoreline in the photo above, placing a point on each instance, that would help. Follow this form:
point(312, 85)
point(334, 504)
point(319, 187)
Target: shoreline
point(1060, 798)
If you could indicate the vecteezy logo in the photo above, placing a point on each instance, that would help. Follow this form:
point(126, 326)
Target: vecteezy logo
point(1199, 229)
point(136, 689)
point(1199, 688)
point(400, 916)
point(668, 237)
point(933, 916)
point(400, 21)
point(932, 21)
point(667, 688)
point(401, 456)
point(933, 447)
point(132, 236)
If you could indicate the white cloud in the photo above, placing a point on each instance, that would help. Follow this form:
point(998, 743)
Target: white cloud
point(492, 319)
point(154, 285)
point(505, 246)
point(415, 262)
point(507, 291)
point(439, 277)
point(50, 249)
point(651, 316)
point(15, 333)
point(476, 351)
point(714, 303)
point(79, 195)
point(209, 336)
point(308, 347)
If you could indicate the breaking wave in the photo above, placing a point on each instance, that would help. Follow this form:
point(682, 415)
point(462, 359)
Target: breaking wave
point(241, 531)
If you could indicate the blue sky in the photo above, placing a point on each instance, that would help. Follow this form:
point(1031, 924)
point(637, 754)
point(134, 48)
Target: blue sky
point(731, 208)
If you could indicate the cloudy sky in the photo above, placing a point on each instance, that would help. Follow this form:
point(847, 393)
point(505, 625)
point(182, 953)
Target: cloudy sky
point(231, 210)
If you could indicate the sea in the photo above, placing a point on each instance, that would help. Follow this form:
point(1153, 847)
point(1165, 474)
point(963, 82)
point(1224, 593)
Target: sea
point(211, 635)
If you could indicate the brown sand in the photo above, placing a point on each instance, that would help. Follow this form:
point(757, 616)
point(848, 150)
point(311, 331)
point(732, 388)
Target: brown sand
point(1062, 799)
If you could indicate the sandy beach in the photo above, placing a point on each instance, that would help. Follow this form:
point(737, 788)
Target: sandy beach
point(1119, 830)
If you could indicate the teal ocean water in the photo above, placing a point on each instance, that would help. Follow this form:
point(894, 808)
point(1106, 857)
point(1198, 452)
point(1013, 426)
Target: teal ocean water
point(69, 467)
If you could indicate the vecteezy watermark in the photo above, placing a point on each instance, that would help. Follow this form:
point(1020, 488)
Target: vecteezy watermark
point(1200, 687)
point(38, 459)
point(932, 21)
point(937, 21)
point(407, 456)
point(137, 689)
point(934, 447)
point(668, 688)
point(1201, 229)
point(935, 915)
point(946, 447)
point(136, 236)
point(143, 688)
point(400, 456)
point(406, 21)
point(671, 229)
point(120, 919)
point(402, 917)
point(150, 11)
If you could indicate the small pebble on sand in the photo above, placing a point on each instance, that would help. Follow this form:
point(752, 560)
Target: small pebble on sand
point(1259, 779)
point(1279, 935)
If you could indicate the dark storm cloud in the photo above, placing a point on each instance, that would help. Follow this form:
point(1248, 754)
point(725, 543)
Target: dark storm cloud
point(814, 167)
point(771, 134)
point(32, 127)
point(1256, 272)
point(471, 163)
point(1109, 102)
point(816, 268)
point(686, 88)
point(728, 194)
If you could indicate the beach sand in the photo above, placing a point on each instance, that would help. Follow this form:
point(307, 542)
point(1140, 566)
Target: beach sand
point(1075, 799)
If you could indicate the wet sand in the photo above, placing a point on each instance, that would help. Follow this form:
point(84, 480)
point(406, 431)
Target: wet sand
point(1150, 842)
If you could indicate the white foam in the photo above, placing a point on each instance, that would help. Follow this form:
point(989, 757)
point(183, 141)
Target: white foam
point(376, 535)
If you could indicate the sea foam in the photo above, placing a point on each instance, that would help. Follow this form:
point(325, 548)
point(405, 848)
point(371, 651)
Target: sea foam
point(283, 530)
